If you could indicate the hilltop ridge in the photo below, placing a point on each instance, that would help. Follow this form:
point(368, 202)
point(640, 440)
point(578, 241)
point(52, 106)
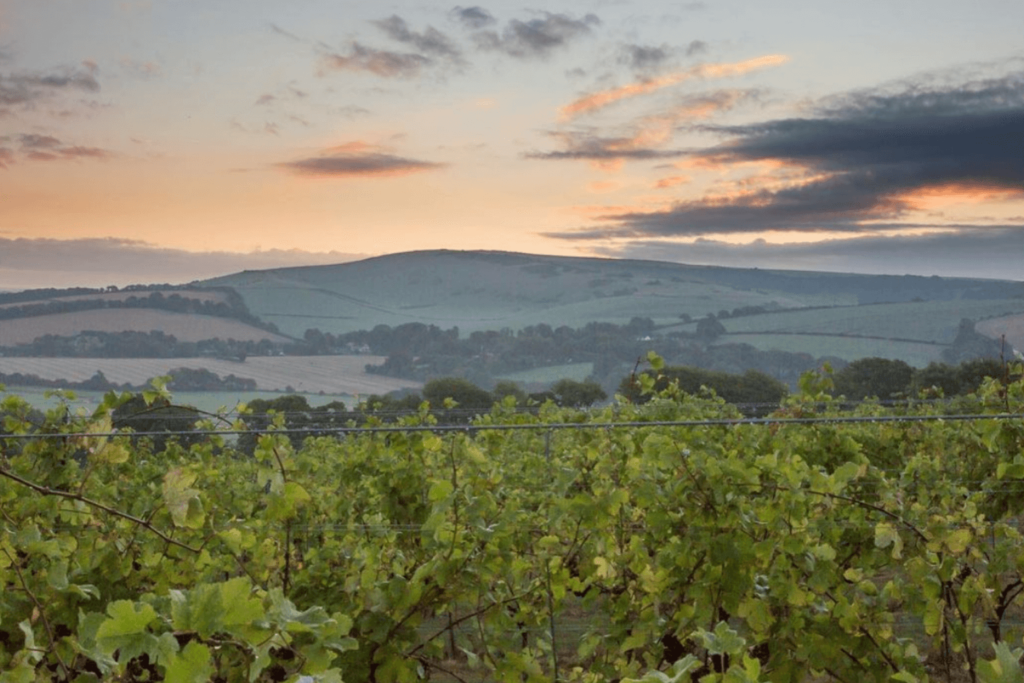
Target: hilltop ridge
point(481, 290)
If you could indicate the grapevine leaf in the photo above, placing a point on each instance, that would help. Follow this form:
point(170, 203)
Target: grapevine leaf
point(958, 541)
point(723, 641)
point(885, 536)
point(1005, 668)
point(191, 666)
point(440, 490)
point(125, 630)
point(181, 500)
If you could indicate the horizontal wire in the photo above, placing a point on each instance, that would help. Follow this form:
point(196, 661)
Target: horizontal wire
point(554, 426)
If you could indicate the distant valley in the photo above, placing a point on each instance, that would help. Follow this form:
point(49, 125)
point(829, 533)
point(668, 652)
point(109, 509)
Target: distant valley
point(482, 315)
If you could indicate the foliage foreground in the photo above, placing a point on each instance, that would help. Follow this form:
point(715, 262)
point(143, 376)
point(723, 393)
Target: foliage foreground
point(564, 546)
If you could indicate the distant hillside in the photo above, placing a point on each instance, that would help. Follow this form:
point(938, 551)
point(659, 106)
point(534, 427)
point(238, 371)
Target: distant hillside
point(142, 321)
point(484, 290)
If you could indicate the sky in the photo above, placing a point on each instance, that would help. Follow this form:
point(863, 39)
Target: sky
point(171, 140)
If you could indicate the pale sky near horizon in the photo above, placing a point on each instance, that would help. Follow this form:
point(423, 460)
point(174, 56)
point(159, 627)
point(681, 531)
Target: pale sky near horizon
point(164, 141)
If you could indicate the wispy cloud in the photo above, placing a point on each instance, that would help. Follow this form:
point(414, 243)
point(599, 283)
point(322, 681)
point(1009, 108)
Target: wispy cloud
point(648, 135)
point(25, 89)
point(473, 17)
point(356, 160)
point(599, 100)
point(287, 34)
point(429, 41)
point(432, 49)
point(36, 147)
point(383, 63)
point(605, 151)
point(537, 38)
point(867, 156)
point(140, 69)
point(33, 263)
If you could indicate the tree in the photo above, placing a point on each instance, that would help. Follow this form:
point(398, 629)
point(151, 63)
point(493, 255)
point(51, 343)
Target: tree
point(575, 394)
point(880, 377)
point(752, 386)
point(463, 392)
point(509, 388)
point(160, 416)
point(709, 328)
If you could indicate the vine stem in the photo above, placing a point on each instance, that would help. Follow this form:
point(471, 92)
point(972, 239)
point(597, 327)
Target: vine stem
point(47, 491)
point(42, 615)
point(864, 504)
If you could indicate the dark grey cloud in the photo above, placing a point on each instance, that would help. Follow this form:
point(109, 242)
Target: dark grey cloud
point(384, 63)
point(473, 17)
point(429, 42)
point(34, 263)
point(990, 253)
point(865, 152)
point(24, 89)
point(357, 163)
point(645, 58)
point(536, 38)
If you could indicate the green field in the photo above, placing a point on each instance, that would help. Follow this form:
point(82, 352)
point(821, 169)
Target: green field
point(848, 348)
point(932, 321)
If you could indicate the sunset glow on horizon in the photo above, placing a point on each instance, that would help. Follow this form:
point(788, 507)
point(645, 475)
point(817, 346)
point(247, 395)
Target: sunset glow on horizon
point(145, 140)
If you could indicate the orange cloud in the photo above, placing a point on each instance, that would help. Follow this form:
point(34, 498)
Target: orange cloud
point(600, 186)
point(604, 98)
point(936, 197)
point(672, 181)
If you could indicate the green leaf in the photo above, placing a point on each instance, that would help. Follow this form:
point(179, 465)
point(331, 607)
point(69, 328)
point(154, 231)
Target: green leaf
point(958, 541)
point(885, 536)
point(723, 641)
point(241, 608)
point(193, 665)
point(904, 677)
point(1006, 470)
point(181, 500)
point(440, 490)
point(57, 575)
point(126, 618)
point(933, 617)
point(126, 629)
point(1005, 668)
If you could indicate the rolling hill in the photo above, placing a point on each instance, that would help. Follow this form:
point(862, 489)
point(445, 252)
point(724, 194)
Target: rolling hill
point(846, 315)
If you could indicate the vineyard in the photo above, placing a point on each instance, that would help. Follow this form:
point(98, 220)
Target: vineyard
point(668, 541)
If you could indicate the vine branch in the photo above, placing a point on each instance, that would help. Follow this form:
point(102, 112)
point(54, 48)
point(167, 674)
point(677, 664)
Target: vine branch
point(47, 491)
